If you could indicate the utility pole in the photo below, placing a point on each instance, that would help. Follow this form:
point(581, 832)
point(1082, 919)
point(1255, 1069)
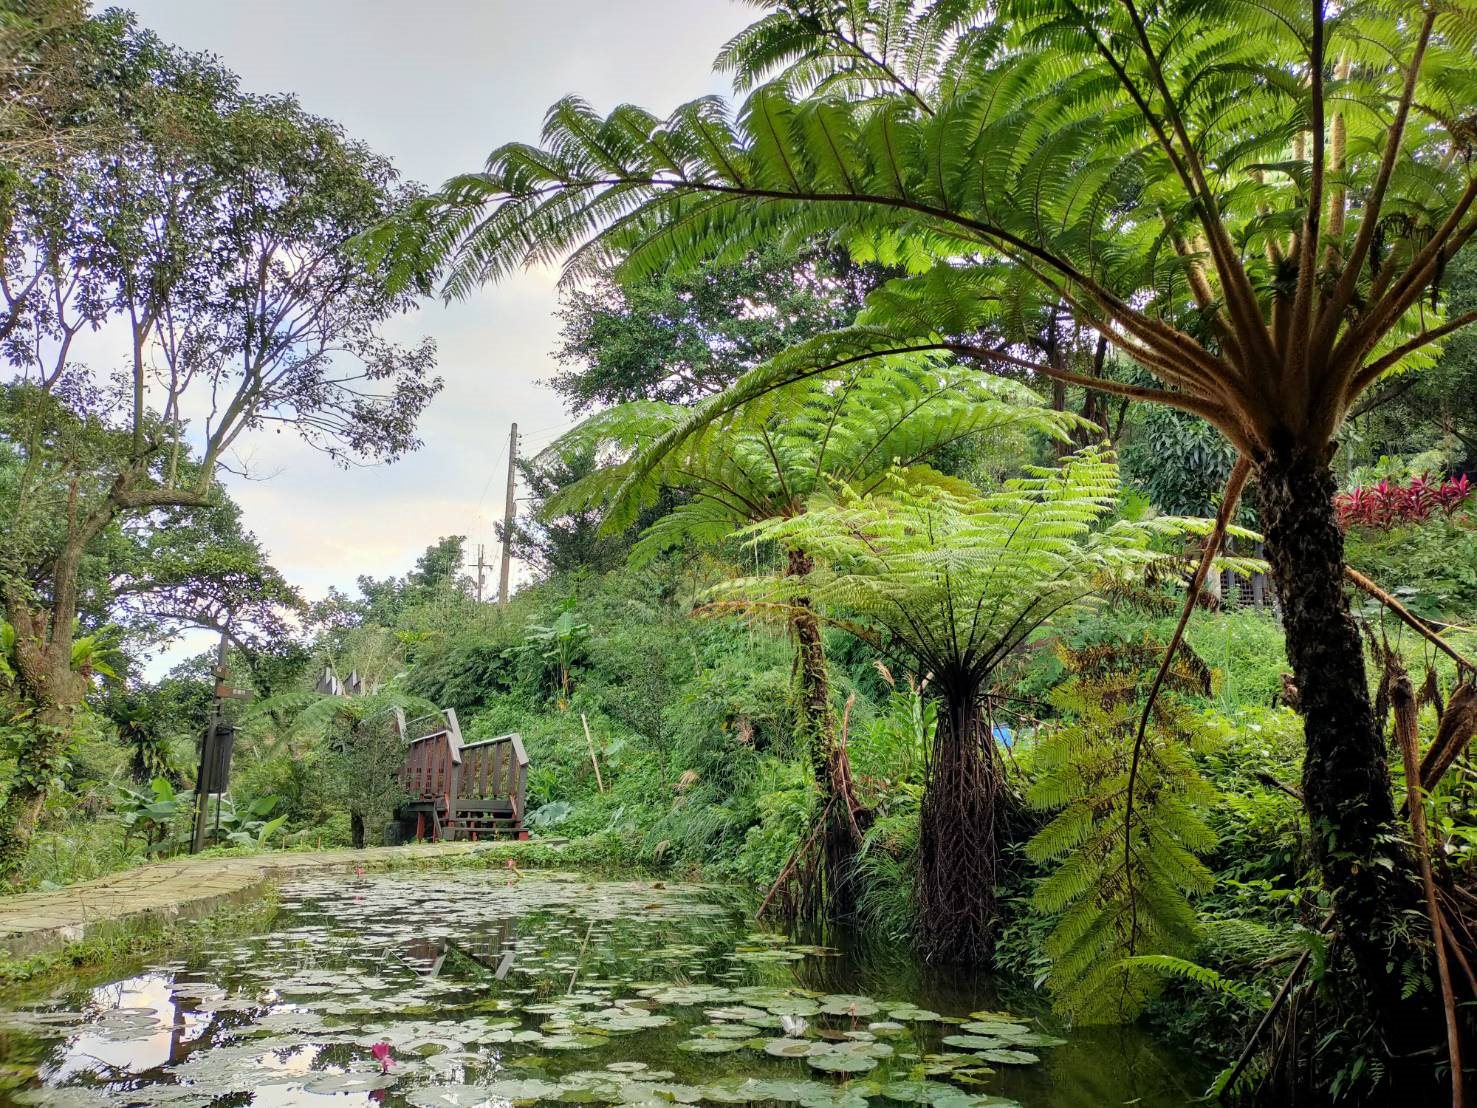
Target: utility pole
point(508, 512)
point(481, 564)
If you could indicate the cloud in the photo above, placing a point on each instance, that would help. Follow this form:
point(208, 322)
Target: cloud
point(436, 86)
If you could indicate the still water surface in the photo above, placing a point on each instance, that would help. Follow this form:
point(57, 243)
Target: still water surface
point(478, 988)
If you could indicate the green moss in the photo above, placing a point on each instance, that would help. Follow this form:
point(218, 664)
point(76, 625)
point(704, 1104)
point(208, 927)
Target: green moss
point(116, 944)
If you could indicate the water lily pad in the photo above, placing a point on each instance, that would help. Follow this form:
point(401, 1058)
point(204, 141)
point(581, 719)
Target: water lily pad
point(736, 1012)
point(974, 1042)
point(729, 1031)
point(1011, 1057)
point(907, 1013)
point(766, 1021)
point(452, 1096)
point(347, 1082)
point(793, 1006)
point(786, 1092)
point(626, 1067)
point(857, 1007)
point(710, 1046)
point(793, 1048)
point(842, 1061)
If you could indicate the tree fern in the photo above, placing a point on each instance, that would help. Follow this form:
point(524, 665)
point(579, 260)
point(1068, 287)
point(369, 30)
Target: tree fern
point(952, 583)
point(1121, 885)
point(761, 454)
point(744, 459)
point(1254, 200)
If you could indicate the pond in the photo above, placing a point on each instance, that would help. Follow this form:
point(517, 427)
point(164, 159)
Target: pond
point(486, 988)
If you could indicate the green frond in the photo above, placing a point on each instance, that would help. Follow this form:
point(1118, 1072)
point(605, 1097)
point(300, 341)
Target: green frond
point(1007, 155)
point(1122, 881)
point(751, 454)
point(958, 579)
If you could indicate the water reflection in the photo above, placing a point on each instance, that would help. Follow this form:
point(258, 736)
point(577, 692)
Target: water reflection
point(556, 989)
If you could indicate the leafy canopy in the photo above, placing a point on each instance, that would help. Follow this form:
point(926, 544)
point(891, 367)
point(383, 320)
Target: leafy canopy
point(956, 580)
point(1251, 200)
point(770, 457)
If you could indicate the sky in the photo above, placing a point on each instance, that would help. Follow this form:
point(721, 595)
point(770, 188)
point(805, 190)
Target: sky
point(435, 85)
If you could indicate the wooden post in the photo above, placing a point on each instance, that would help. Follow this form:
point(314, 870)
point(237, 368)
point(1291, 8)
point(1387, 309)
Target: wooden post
point(593, 760)
point(510, 509)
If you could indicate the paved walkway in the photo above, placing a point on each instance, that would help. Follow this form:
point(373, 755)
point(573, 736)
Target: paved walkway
point(32, 923)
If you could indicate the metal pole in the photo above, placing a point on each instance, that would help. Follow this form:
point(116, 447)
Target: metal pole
point(509, 509)
point(207, 748)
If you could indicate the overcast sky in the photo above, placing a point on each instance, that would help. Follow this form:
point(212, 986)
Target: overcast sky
point(435, 85)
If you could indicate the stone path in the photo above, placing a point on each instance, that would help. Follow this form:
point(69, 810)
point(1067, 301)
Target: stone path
point(33, 923)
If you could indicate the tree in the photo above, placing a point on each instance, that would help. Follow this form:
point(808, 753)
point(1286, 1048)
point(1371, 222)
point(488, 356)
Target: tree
point(1254, 204)
point(678, 338)
point(44, 96)
point(771, 460)
point(437, 576)
point(555, 542)
point(210, 228)
point(357, 748)
point(950, 583)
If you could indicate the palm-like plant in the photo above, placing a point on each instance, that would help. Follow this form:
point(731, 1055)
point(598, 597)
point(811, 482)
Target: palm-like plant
point(952, 583)
point(772, 459)
point(1252, 200)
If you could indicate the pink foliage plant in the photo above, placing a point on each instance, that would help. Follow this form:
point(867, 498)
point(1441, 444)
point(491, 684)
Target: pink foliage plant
point(1390, 504)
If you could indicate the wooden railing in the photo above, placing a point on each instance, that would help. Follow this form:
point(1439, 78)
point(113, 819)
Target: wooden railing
point(495, 769)
point(490, 775)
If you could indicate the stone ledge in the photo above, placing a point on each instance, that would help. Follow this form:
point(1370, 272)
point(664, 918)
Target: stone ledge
point(36, 923)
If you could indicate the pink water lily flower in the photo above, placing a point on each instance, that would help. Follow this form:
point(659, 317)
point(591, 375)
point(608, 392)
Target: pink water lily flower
point(381, 1052)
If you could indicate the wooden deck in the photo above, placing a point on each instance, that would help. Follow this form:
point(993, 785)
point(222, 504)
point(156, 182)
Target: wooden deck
point(461, 790)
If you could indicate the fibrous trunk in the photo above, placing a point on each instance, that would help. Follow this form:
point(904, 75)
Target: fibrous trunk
point(959, 848)
point(1346, 776)
point(831, 894)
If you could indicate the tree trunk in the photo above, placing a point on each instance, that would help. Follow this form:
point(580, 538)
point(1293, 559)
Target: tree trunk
point(1346, 776)
point(37, 764)
point(834, 899)
point(959, 849)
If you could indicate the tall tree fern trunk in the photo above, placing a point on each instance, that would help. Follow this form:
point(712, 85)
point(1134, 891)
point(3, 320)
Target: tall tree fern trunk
point(833, 898)
point(1346, 775)
point(959, 849)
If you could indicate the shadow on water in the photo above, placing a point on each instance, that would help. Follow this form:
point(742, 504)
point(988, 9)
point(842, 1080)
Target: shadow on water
point(482, 989)
point(1095, 1066)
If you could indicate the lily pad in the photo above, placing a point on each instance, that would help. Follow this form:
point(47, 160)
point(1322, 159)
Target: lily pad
point(974, 1042)
point(710, 1046)
point(793, 1048)
point(1011, 1057)
point(842, 1061)
point(452, 1096)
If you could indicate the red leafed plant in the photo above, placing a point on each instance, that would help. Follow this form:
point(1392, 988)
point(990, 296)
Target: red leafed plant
point(1389, 504)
